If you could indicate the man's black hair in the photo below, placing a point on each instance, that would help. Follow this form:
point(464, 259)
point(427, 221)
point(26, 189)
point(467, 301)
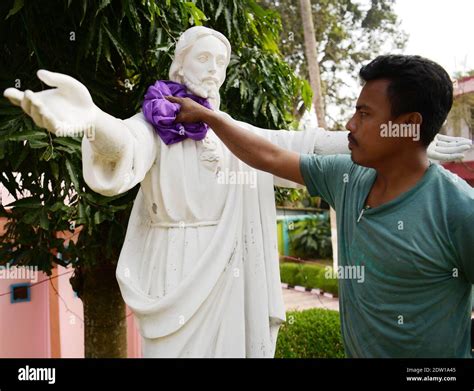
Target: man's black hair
point(416, 85)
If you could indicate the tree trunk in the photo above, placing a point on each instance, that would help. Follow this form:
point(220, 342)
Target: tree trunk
point(315, 82)
point(312, 60)
point(105, 332)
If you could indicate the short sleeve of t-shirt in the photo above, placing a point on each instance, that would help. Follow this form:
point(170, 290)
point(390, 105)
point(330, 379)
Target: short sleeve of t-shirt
point(463, 238)
point(323, 175)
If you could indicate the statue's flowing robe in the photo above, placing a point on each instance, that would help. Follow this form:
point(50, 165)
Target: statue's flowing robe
point(199, 266)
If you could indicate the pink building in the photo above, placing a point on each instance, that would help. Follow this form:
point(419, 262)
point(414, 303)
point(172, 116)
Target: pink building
point(461, 123)
point(41, 316)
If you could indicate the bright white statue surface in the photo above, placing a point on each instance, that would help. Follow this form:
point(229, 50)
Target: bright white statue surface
point(199, 265)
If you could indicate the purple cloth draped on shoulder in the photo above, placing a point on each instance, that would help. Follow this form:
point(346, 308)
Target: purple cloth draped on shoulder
point(162, 113)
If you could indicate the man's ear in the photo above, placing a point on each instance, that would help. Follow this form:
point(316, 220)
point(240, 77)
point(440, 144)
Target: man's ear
point(414, 118)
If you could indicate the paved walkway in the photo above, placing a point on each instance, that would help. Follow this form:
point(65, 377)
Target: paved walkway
point(298, 301)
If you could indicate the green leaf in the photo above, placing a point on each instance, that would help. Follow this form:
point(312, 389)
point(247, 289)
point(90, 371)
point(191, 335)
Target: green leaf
point(84, 11)
point(257, 103)
point(273, 111)
point(197, 15)
point(17, 6)
point(32, 217)
point(72, 174)
point(48, 153)
point(58, 206)
point(29, 202)
point(36, 144)
point(17, 160)
point(73, 143)
point(44, 221)
point(219, 10)
point(102, 5)
point(99, 217)
point(23, 135)
point(228, 20)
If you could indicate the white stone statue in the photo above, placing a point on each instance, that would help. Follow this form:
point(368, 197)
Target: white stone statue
point(199, 266)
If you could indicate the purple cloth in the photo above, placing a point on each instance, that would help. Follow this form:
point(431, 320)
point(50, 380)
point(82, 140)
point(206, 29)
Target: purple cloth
point(162, 113)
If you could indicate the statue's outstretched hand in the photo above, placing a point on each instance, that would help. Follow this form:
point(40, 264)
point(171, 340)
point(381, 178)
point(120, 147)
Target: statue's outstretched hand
point(67, 110)
point(448, 148)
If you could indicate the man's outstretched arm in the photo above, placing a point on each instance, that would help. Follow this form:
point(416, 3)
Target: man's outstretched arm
point(248, 147)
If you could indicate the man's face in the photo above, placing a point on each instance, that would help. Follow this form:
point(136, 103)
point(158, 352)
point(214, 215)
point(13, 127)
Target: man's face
point(373, 109)
point(204, 66)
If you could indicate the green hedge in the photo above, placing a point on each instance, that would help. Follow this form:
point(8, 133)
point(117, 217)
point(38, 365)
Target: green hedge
point(314, 333)
point(308, 275)
point(289, 271)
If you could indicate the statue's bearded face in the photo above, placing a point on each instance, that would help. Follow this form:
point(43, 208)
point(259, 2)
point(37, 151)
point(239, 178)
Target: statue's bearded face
point(204, 67)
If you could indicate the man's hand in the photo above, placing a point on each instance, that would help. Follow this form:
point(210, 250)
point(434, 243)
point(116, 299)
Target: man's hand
point(190, 111)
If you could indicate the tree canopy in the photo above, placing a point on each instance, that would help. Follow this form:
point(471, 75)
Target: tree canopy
point(117, 49)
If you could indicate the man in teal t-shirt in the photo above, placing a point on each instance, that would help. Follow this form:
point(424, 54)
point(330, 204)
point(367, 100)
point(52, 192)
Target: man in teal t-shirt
point(404, 224)
point(417, 255)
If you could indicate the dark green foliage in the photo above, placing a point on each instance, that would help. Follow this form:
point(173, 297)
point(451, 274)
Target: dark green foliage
point(310, 276)
point(314, 333)
point(311, 238)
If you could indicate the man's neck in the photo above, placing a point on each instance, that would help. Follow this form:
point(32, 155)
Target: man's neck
point(397, 175)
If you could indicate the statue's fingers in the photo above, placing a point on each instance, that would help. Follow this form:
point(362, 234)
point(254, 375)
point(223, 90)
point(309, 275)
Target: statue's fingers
point(14, 96)
point(463, 140)
point(36, 110)
point(49, 123)
point(48, 119)
point(446, 150)
point(54, 79)
point(62, 81)
point(26, 102)
point(446, 143)
point(37, 118)
point(456, 156)
point(443, 137)
point(447, 157)
point(463, 143)
point(460, 148)
point(437, 156)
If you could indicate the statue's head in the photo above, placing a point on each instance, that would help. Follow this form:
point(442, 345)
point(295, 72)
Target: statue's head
point(200, 62)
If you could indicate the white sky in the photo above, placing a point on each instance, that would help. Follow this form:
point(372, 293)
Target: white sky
point(441, 30)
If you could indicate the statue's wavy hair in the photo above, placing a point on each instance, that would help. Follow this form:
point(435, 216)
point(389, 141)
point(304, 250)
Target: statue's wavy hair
point(186, 41)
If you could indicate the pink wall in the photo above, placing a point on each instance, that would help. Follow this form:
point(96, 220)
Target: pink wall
point(133, 337)
point(71, 317)
point(24, 327)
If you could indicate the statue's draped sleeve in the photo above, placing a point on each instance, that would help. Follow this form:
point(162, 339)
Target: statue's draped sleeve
point(115, 174)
